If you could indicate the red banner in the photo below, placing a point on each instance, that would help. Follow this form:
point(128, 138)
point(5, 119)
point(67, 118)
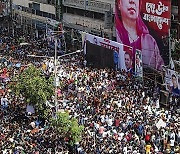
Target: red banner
point(157, 14)
point(144, 25)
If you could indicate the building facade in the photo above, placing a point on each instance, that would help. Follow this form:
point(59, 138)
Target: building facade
point(97, 16)
point(93, 16)
point(36, 14)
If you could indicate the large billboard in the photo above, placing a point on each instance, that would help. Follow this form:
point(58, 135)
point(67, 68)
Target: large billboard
point(99, 57)
point(144, 25)
point(102, 52)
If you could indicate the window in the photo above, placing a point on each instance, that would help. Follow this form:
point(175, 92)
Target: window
point(36, 6)
point(45, 14)
point(89, 14)
point(99, 16)
point(174, 2)
point(70, 10)
point(39, 13)
point(52, 2)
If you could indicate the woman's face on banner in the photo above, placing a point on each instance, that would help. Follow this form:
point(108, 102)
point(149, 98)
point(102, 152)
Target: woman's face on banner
point(129, 8)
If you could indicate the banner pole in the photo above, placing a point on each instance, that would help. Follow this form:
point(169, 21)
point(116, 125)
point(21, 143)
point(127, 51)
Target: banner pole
point(169, 46)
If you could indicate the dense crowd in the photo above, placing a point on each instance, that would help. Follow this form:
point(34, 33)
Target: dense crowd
point(21, 45)
point(119, 114)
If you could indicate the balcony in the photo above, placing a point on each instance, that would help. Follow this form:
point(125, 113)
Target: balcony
point(95, 6)
point(41, 1)
point(83, 23)
point(51, 2)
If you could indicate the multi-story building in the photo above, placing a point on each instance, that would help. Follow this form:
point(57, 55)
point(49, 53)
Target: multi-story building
point(93, 16)
point(36, 14)
point(97, 16)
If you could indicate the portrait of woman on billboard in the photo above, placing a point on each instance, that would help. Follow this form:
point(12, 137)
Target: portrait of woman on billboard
point(132, 31)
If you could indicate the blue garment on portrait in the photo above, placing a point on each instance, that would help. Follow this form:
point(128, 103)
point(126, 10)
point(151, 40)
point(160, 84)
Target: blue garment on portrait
point(131, 71)
point(116, 57)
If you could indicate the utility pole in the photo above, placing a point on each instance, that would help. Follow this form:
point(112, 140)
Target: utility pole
point(55, 74)
point(11, 17)
point(56, 33)
point(58, 6)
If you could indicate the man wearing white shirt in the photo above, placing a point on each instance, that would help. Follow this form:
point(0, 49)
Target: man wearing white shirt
point(109, 122)
point(102, 118)
point(96, 125)
point(120, 136)
point(125, 150)
point(172, 139)
point(157, 104)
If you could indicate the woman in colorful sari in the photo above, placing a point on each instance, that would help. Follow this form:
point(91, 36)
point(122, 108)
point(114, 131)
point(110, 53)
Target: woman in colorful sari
point(131, 31)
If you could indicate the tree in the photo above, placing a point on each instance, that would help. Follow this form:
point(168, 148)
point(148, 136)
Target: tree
point(67, 127)
point(34, 87)
point(75, 131)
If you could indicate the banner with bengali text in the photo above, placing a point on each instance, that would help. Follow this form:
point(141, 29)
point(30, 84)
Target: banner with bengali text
point(122, 54)
point(145, 25)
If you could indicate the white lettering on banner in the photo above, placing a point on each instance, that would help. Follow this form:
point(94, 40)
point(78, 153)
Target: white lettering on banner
point(150, 8)
point(109, 44)
point(161, 9)
point(158, 20)
point(106, 44)
point(112, 45)
point(154, 12)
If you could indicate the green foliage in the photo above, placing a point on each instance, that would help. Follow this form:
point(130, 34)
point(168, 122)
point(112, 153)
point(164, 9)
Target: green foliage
point(75, 131)
point(67, 127)
point(61, 123)
point(33, 86)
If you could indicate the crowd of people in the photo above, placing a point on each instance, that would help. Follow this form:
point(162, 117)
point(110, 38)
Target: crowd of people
point(20, 130)
point(119, 113)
